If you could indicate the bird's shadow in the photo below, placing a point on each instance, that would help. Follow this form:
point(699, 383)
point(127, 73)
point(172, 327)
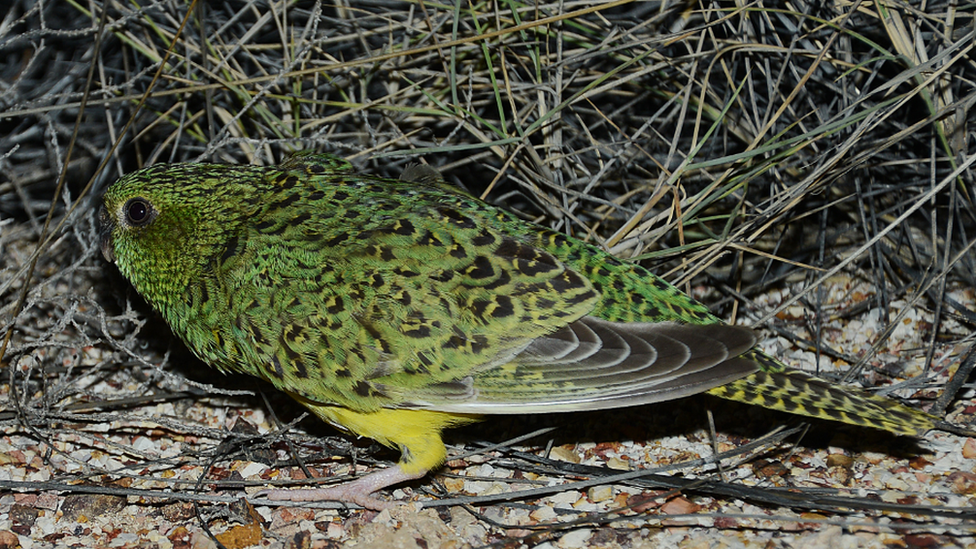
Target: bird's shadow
point(735, 423)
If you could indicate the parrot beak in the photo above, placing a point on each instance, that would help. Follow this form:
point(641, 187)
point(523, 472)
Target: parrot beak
point(105, 235)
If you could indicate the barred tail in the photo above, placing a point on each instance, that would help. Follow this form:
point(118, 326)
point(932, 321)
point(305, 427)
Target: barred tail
point(803, 394)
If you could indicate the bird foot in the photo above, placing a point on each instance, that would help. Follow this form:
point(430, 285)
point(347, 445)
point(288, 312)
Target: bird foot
point(358, 492)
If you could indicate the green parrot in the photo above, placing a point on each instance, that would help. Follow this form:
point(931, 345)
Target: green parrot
point(394, 309)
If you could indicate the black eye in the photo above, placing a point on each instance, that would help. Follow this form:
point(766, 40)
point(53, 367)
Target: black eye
point(138, 211)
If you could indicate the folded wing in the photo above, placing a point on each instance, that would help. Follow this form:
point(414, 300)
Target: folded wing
point(594, 364)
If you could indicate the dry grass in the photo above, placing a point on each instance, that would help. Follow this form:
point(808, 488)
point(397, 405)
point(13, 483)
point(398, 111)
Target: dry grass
point(734, 148)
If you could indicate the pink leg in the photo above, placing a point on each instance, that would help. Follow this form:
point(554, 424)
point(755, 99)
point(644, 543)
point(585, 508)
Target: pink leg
point(359, 491)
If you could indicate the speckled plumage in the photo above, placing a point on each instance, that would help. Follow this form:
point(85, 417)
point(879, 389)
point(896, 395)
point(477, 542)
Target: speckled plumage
point(396, 308)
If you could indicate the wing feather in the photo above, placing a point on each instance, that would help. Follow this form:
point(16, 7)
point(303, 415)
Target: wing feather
point(610, 365)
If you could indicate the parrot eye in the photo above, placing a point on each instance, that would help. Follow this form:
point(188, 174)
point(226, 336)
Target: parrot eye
point(138, 211)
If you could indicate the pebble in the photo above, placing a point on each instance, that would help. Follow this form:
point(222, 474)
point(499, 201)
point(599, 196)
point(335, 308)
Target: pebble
point(597, 494)
point(574, 539)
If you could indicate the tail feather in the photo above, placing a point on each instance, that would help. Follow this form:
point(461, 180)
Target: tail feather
point(803, 394)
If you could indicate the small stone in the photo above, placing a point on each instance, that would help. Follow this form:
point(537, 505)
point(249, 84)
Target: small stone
point(200, 540)
point(143, 444)
point(770, 469)
point(969, 448)
point(962, 482)
point(250, 533)
point(177, 512)
point(574, 539)
point(563, 453)
point(597, 494)
point(335, 530)
point(253, 469)
point(569, 497)
point(23, 518)
point(179, 536)
point(897, 484)
point(47, 500)
point(840, 474)
point(90, 505)
point(543, 514)
point(679, 506)
point(286, 515)
point(639, 503)
point(8, 540)
point(839, 460)
point(454, 484)
point(584, 505)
